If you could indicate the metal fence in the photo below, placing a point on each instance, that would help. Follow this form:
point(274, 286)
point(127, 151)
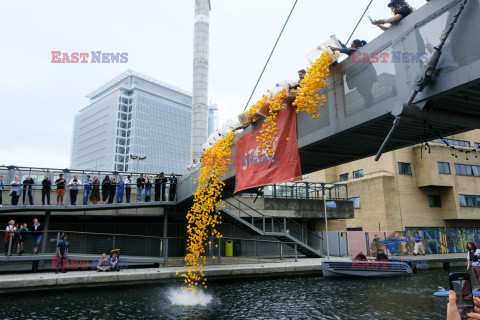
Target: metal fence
point(303, 190)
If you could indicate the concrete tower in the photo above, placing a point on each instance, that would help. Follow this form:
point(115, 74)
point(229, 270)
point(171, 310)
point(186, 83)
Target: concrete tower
point(200, 78)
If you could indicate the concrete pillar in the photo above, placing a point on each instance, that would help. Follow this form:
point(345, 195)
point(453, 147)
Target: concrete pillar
point(199, 131)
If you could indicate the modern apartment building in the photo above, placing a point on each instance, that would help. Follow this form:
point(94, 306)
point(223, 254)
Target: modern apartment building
point(137, 115)
point(434, 186)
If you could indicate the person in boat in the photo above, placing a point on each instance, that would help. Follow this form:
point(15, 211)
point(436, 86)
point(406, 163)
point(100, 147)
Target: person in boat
point(381, 256)
point(400, 10)
point(360, 257)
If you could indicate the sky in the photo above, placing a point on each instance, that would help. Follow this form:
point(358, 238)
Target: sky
point(40, 98)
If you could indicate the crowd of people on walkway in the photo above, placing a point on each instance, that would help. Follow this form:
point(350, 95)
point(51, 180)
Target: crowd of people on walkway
point(107, 191)
point(17, 235)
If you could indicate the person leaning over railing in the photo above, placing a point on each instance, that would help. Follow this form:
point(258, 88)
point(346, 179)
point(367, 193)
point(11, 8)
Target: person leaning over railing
point(1, 190)
point(15, 190)
point(400, 10)
point(95, 195)
point(87, 188)
point(46, 188)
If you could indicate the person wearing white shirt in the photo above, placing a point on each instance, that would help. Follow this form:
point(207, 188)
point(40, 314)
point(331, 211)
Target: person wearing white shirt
point(473, 257)
point(74, 184)
point(128, 188)
point(15, 190)
point(10, 229)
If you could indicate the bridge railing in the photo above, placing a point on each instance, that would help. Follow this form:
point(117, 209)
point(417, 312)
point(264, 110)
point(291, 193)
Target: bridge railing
point(303, 190)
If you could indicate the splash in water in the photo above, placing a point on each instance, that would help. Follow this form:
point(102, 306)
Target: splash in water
point(188, 297)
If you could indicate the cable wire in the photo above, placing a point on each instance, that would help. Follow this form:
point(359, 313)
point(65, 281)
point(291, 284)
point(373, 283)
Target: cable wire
point(271, 53)
point(355, 29)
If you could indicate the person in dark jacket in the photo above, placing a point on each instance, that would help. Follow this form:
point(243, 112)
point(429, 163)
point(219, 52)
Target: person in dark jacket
point(163, 185)
point(360, 257)
point(37, 232)
point(95, 194)
point(27, 189)
point(381, 256)
point(140, 187)
point(157, 188)
point(105, 188)
point(128, 188)
point(400, 9)
point(112, 190)
point(46, 188)
point(173, 187)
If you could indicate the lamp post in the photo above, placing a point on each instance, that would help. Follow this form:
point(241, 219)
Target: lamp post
point(137, 158)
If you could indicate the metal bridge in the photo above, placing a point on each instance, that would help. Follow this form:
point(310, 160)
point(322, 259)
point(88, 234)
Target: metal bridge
point(366, 96)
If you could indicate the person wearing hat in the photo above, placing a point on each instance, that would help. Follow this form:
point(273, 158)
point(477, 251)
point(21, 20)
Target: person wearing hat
point(400, 9)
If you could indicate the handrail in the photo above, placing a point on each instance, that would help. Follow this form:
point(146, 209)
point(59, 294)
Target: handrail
point(67, 232)
point(288, 219)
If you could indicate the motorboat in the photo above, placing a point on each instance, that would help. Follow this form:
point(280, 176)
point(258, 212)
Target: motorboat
point(365, 268)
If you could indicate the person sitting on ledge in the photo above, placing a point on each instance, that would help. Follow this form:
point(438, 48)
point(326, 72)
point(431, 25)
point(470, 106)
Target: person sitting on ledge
point(400, 10)
point(360, 257)
point(103, 263)
point(381, 256)
point(114, 262)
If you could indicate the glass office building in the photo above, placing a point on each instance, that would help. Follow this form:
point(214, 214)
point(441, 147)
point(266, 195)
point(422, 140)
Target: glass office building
point(134, 115)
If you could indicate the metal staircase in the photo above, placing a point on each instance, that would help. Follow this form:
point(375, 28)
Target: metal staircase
point(283, 229)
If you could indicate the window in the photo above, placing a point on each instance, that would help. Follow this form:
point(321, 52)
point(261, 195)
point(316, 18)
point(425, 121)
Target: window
point(355, 229)
point(305, 176)
point(344, 177)
point(356, 202)
point(444, 168)
point(357, 174)
point(467, 170)
point(404, 168)
point(469, 201)
point(434, 201)
point(477, 145)
point(453, 142)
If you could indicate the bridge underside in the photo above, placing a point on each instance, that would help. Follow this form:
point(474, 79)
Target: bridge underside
point(362, 93)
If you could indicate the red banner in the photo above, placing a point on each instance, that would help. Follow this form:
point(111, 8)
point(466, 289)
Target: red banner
point(254, 168)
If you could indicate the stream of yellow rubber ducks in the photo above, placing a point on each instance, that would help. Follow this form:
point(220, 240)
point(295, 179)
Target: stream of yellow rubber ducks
point(203, 217)
point(307, 98)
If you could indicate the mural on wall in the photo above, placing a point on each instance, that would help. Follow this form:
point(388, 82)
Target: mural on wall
point(400, 243)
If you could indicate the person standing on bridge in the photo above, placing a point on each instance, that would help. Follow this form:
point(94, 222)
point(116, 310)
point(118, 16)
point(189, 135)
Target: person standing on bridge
point(37, 232)
point(112, 190)
point(10, 236)
point(46, 188)
point(105, 188)
point(128, 188)
point(27, 189)
point(157, 188)
point(22, 236)
point(60, 182)
point(87, 188)
point(148, 189)
point(15, 190)
point(95, 195)
point(140, 187)
point(400, 10)
point(173, 187)
point(163, 186)
point(418, 244)
point(1, 189)
point(120, 189)
point(74, 184)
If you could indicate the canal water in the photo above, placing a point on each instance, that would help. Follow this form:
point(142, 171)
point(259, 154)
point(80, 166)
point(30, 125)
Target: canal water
point(280, 298)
